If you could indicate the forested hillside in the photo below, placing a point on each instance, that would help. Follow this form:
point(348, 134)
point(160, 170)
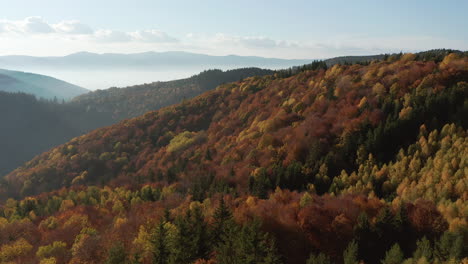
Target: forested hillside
point(33, 126)
point(39, 85)
point(121, 103)
point(319, 165)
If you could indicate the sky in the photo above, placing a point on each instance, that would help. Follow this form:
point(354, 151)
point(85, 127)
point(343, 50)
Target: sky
point(299, 29)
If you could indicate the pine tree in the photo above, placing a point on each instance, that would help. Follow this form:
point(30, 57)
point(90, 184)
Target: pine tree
point(271, 254)
point(351, 253)
point(247, 244)
point(365, 238)
point(394, 255)
point(318, 259)
point(221, 217)
point(183, 246)
point(160, 245)
point(386, 231)
point(450, 246)
point(423, 249)
point(117, 254)
point(226, 249)
point(200, 236)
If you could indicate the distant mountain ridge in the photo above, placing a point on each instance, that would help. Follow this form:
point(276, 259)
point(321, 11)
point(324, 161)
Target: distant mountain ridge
point(38, 85)
point(144, 60)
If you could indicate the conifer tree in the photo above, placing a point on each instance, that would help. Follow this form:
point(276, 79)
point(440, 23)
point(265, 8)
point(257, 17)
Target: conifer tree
point(160, 245)
point(318, 259)
point(423, 249)
point(365, 238)
point(393, 256)
point(117, 254)
point(350, 255)
point(221, 216)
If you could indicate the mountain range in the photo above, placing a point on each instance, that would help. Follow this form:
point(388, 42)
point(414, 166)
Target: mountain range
point(154, 60)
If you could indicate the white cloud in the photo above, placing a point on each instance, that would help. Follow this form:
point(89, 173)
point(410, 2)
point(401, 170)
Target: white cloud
point(105, 35)
point(36, 25)
point(152, 36)
point(31, 26)
point(35, 36)
point(73, 27)
point(250, 41)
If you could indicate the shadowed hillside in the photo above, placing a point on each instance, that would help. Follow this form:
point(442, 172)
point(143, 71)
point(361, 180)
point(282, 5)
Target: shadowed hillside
point(33, 126)
point(38, 85)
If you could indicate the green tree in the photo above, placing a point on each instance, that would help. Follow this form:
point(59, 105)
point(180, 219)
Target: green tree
point(423, 249)
point(199, 234)
point(365, 237)
point(318, 259)
point(160, 245)
point(247, 244)
point(192, 239)
point(393, 256)
point(450, 246)
point(221, 216)
point(117, 254)
point(350, 255)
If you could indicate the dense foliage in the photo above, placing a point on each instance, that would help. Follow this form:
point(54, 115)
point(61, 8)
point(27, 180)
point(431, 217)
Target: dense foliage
point(30, 126)
point(133, 101)
point(348, 164)
point(161, 224)
point(265, 132)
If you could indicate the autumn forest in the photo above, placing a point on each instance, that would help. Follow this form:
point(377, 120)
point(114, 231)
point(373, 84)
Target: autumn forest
point(351, 160)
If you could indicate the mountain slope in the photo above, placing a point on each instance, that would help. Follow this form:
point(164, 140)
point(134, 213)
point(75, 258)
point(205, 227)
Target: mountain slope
point(354, 162)
point(136, 100)
point(32, 126)
point(38, 85)
point(258, 131)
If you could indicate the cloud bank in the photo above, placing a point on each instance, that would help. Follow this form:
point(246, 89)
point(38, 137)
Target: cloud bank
point(35, 36)
point(36, 25)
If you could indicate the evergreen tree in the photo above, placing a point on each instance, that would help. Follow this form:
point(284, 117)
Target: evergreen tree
point(365, 237)
point(117, 254)
point(183, 246)
point(423, 249)
point(160, 246)
point(404, 233)
point(226, 249)
point(386, 231)
point(200, 235)
point(192, 239)
point(350, 255)
point(450, 246)
point(247, 244)
point(221, 216)
point(318, 259)
point(394, 255)
point(260, 184)
point(271, 254)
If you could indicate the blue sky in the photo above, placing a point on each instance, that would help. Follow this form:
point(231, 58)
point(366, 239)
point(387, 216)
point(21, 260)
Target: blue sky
point(286, 29)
